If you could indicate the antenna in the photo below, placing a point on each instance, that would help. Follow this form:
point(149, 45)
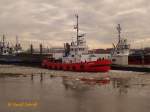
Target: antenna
point(119, 31)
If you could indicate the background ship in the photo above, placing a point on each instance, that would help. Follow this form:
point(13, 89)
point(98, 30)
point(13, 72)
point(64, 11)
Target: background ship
point(14, 54)
point(123, 58)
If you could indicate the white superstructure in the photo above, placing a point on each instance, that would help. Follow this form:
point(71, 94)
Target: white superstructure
point(77, 51)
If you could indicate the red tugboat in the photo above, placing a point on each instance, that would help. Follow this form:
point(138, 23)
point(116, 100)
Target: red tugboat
point(76, 58)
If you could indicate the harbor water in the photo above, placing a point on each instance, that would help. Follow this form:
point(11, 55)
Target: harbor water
point(28, 89)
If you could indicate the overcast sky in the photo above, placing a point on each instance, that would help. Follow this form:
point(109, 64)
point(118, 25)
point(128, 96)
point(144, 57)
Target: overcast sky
point(51, 21)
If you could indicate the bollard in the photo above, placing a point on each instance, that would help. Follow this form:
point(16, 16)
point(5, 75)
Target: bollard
point(31, 76)
point(41, 77)
point(51, 76)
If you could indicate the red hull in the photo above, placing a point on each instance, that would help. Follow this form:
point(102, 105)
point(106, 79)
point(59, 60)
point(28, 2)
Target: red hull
point(94, 66)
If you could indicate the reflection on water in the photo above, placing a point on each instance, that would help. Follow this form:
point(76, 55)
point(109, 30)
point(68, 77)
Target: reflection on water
point(121, 84)
point(74, 94)
point(83, 83)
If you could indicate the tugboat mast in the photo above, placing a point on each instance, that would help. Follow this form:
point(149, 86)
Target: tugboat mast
point(119, 32)
point(3, 40)
point(17, 40)
point(77, 27)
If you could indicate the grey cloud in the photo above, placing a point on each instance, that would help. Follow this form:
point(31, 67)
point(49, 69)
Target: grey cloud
point(53, 20)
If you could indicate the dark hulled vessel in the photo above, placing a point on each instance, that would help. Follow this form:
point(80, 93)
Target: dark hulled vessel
point(123, 59)
point(15, 54)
